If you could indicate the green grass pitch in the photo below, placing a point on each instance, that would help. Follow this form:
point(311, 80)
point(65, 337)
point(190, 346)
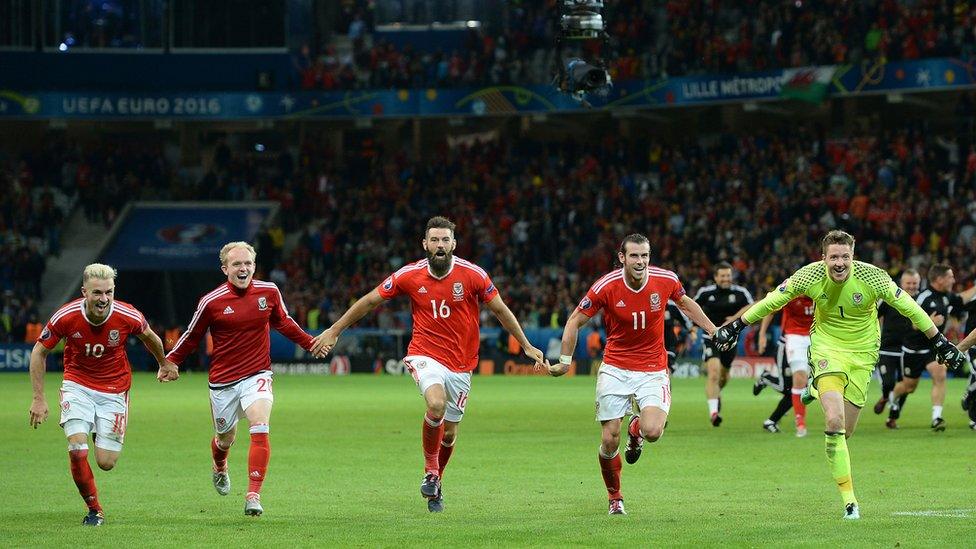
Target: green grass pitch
point(346, 467)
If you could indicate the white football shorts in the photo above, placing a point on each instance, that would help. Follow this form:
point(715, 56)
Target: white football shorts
point(428, 372)
point(615, 387)
point(105, 414)
point(227, 404)
point(796, 352)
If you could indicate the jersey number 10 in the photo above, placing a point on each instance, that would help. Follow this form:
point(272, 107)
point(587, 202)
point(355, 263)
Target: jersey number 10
point(96, 350)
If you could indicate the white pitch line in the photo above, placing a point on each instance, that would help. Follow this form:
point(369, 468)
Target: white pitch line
point(947, 513)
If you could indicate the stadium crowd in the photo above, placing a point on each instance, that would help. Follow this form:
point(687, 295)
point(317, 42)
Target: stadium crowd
point(31, 218)
point(652, 39)
point(544, 218)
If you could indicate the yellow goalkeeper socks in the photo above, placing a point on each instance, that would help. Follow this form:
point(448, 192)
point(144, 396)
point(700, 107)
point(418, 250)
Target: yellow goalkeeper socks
point(839, 459)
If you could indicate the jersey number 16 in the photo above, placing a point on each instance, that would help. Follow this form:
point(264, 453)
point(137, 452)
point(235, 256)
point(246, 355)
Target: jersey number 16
point(440, 311)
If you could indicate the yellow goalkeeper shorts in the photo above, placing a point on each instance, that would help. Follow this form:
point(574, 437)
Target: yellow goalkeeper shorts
point(854, 367)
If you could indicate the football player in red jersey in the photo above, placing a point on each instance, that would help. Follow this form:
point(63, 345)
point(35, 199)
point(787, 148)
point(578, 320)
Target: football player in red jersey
point(238, 314)
point(445, 294)
point(97, 376)
point(635, 364)
point(791, 360)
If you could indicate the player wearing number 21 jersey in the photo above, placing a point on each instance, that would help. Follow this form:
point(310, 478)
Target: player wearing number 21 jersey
point(238, 314)
point(95, 391)
point(445, 293)
point(635, 364)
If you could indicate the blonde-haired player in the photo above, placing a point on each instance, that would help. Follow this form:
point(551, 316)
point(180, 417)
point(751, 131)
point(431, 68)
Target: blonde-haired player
point(238, 314)
point(97, 376)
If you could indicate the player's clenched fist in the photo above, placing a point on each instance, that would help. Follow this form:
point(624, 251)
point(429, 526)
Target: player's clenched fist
point(167, 372)
point(947, 353)
point(561, 367)
point(726, 336)
point(38, 412)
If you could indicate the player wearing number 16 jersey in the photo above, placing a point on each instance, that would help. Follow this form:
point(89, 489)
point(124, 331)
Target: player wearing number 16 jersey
point(445, 295)
point(635, 364)
point(95, 392)
point(238, 314)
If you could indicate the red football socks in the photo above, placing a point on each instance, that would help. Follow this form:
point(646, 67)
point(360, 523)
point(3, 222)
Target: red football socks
point(443, 458)
point(219, 455)
point(611, 475)
point(82, 473)
point(258, 457)
point(799, 408)
point(433, 435)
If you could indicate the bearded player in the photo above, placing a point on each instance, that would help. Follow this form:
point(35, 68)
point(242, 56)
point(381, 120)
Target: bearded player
point(445, 295)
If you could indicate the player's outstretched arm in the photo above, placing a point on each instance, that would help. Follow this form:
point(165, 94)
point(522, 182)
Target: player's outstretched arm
point(167, 370)
point(511, 325)
point(693, 310)
point(570, 333)
point(38, 366)
point(323, 343)
point(967, 342)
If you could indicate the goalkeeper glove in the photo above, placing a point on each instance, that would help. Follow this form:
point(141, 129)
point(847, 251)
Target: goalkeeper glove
point(726, 336)
point(946, 353)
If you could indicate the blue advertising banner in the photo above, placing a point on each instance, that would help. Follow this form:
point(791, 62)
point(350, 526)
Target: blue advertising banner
point(15, 357)
point(182, 237)
point(919, 75)
point(807, 83)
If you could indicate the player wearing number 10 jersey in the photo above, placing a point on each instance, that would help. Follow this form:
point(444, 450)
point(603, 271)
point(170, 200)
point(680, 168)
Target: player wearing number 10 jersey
point(95, 392)
point(635, 364)
point(445, 295)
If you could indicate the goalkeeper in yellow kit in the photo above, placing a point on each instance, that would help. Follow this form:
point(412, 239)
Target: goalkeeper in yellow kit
point(844, 340)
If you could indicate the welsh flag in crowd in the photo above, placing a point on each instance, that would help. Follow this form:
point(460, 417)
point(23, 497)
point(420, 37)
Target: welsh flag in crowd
point(807, 83)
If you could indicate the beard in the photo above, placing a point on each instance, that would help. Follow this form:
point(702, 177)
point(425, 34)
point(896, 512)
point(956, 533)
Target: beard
point(439, 265)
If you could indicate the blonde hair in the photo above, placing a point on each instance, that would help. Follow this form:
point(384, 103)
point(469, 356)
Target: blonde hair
point(240, 244)
point(99, 271)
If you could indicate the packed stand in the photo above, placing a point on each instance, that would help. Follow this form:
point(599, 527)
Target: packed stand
point(652, 39)
point(32, 209)
point(545, 219)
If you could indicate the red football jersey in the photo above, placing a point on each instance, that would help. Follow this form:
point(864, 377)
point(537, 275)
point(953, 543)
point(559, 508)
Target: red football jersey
point(445, 310)
point(798, 316)
point(94, 354)
point(634, 319)
point(238, 321)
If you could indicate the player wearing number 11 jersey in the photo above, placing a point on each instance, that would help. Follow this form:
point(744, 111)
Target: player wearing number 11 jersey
point(635, 364)
point(95, 392)
point(445, 295)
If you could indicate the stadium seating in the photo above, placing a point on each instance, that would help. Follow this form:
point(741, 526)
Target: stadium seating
point(657, 39)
